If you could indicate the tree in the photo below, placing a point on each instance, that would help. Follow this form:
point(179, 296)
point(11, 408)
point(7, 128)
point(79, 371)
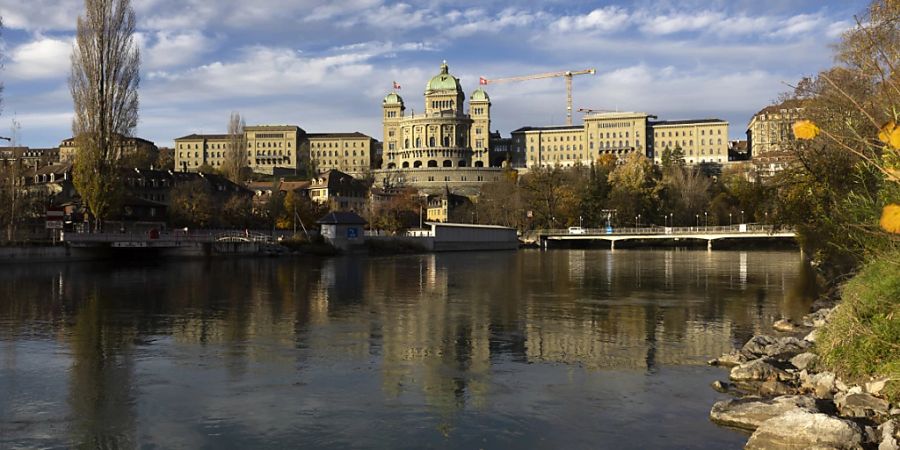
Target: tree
point(633, 187)
point(166, 159)
point(237, 212)
point(545, 193)
point(236, 161)
point(104, 86)
point(672, 158)
point(300, 211)
point(685, 193)
point(499, 203)
point(17, 204)
point(191, 204)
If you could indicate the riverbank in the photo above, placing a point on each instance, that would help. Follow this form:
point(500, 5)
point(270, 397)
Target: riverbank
point(787, 397)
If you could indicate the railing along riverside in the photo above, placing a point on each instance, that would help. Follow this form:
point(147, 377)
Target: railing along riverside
point(176, 235)
point(655, 230)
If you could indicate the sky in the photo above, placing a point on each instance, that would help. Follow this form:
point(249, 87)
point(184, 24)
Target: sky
point(326, 65)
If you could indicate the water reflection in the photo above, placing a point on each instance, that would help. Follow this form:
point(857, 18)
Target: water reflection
point(448, 350)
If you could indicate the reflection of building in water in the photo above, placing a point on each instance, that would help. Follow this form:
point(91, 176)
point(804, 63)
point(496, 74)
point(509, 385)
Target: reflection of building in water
point(435, 341)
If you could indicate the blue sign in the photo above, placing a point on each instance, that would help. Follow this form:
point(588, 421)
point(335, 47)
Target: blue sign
point(352, 233)
point(608, 230)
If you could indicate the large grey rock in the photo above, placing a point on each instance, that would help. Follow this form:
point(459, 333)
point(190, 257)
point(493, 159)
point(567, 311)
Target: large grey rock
point(749, 413)
point(889, 431)
point(876, 386)
point(812, 336)
point(861, 405)
point(818, 318)
point(759, 370)
point(782, 347)
point(801, 430)
point(822, 383)
point(805, 360)
point(729, 359)
point(785, 325)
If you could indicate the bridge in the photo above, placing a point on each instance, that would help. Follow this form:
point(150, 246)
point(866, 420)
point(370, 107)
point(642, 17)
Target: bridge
point(709, 234)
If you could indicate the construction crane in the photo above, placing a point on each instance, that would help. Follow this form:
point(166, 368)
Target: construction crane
point(591, 111)
point(568, 74)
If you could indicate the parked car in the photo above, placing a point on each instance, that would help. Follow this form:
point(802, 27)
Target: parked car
point(577, 230)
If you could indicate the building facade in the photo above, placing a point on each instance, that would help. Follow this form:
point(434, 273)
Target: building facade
point(141, 151)
point(615, 133)
point(268, 148)
point(352, 153)
point(444, 135)
point(769, 131)
point(702, 141)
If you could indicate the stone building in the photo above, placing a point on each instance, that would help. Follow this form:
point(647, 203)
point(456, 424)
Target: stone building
point(447, 144)
point(340, 191)
point(269, 148)
point(449, 207)
point(138, 152)
point(613, 133)
point(352, 153)
point(702, 141)
point(769, 130)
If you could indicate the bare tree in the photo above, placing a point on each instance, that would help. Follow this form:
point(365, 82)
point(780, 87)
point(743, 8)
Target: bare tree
point(236, 162)
point(104, 86)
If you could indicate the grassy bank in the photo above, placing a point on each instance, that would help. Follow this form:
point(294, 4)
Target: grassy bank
point(862, 340)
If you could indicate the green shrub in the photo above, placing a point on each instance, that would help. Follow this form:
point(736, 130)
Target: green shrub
point(862, 339)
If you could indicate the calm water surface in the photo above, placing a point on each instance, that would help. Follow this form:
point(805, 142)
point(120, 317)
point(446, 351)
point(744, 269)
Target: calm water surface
point(558, 349)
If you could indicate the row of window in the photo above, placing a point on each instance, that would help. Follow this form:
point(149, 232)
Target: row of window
point(684, 133)
point(323, 153)
point(335, 144)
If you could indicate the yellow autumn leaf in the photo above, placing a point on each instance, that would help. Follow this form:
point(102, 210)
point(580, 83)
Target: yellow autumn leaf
point(884, 135)
point(805, 129)
point(890, 218)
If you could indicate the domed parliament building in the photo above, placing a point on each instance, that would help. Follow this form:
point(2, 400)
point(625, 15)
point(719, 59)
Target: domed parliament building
point(446, 145)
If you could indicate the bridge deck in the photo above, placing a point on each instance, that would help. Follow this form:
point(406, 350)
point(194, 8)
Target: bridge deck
point(700, 233)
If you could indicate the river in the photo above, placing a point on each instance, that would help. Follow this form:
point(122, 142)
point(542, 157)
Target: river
point(528, 349)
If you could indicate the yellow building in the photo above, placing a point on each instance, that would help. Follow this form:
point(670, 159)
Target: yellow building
point(702, 141)
point(352, 153)
point(444, 136)
point(562, 146)
point(127, 147)
point(616, 133)
point(267, 147)
point(770, 129)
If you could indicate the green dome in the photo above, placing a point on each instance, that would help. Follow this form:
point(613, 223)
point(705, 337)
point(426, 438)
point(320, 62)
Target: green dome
point(392, 99)
point(480, 96)
point(443, 81)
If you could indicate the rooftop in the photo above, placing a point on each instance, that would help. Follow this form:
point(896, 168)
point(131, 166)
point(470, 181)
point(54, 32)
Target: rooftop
point(355, 134)
point(663, 123)
point(555, 128)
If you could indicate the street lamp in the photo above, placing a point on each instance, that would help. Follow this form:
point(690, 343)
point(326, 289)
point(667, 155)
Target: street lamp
point(697, 216)
point(706, 218)
point(730, 223)
point(672, 220)
point(635, 221)
point(742, 216)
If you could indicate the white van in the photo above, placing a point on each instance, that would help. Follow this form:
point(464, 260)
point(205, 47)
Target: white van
point(577, 230)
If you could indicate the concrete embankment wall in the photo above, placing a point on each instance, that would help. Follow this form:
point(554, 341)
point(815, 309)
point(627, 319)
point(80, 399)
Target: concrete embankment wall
point(39, 254)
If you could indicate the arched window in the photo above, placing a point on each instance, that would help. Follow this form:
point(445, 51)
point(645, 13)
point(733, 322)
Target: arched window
point(406, 164)
point(417, 164)
point(418, 142)
point(432, 163)
point(431, 142)
point(462, 163)
point(479, 164)
point(447, 163)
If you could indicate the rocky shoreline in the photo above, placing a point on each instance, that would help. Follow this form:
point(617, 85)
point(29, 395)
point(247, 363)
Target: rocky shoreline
point(787, 401)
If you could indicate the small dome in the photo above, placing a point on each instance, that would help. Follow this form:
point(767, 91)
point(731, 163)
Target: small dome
point(479, 95)
point(443, 81)
point(393, 99)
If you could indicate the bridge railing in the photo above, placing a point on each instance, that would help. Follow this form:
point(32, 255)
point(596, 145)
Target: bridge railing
point(177, 235)
point(654, 230)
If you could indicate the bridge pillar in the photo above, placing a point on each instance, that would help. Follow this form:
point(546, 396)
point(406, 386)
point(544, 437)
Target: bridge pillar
point(709, 245)
point(612, 245)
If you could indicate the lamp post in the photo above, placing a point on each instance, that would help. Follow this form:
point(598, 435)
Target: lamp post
point(672, 220)
point(730, 223)
point(665, 220)
point(697, 216)
point(706, 218)
point(635, 221)
point(742, 216)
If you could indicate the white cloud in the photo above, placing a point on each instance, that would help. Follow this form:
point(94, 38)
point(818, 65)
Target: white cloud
point(38, 15)
point(676, 23)
point(609, 18)
point(165, 49)
point(42, 58)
